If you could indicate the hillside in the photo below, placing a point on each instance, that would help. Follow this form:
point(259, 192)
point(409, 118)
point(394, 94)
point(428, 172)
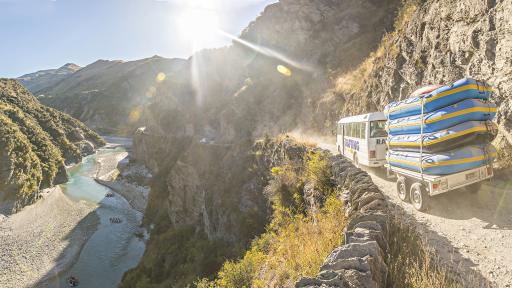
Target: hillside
point(104, 93)
point(35, 143)
point(310, 38)
point(46, 78)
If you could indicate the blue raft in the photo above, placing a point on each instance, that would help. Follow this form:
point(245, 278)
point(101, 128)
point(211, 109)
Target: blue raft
point(467, 133)
point(444, 96)
point(467, 110)
point(444, 163)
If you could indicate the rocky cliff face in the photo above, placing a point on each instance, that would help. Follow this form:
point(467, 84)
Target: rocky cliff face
point(236, 93)
point(35, 143)
point(212, 193)
point(434, 42)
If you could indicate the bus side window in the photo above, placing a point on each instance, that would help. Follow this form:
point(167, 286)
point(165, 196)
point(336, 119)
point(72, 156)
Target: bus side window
point(358, 130)
point(362, 130)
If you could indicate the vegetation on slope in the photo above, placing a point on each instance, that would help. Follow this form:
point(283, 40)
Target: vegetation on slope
point(307, 223)
point(35, 142)
point(182, 248)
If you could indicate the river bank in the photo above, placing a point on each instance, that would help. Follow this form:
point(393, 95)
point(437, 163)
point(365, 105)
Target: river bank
point(46, 242)
point(44, 238)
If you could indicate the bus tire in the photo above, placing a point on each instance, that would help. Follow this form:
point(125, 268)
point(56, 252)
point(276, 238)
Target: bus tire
point(401, 189)
point(356, 161)
point(419, 197)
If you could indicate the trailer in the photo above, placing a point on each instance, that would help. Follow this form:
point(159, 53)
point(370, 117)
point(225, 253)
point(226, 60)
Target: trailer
point(417, 188)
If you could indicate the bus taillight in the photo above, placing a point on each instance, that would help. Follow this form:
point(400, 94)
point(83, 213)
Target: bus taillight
point(373, 154)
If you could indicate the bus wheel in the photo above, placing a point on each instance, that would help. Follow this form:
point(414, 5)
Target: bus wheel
point(401, 189)
point(419, 197)
point(356, 162)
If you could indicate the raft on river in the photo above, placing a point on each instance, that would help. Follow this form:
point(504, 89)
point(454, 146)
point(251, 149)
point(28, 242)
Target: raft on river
point(467, 133)
point(463, 89)
point(444, 163)
point(467, 110)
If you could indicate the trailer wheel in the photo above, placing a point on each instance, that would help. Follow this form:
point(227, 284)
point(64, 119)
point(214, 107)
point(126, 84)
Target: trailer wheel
point(419, 197)
point(401, 189)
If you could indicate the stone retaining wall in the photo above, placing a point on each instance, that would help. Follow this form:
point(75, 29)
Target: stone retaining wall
point(360, 261)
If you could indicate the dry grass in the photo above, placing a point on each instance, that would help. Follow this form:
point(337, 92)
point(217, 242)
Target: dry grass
point(284, 254)
point(411, 263)
point(300, 246)
point(355, 80)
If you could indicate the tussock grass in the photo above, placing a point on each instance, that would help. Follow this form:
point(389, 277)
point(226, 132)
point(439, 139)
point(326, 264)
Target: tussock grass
point(284, 254)
point(412, 263)
point(354, 81)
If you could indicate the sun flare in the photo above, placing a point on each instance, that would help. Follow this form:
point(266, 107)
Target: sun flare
point(198, 23)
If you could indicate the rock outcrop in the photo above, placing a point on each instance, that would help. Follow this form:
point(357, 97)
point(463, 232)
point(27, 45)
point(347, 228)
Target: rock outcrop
point(434, 41)
point(35, 144)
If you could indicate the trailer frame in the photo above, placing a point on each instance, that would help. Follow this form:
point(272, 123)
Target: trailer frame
point(419, 187)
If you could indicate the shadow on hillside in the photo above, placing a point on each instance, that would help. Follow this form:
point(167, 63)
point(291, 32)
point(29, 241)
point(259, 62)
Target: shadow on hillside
point(491, 204)
point(458, 267)
point(76, 239)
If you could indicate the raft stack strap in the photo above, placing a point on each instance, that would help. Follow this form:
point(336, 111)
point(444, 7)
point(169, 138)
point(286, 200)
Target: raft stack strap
point(447, 130)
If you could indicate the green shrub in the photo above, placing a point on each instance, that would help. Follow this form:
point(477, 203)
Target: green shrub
point(298, 238)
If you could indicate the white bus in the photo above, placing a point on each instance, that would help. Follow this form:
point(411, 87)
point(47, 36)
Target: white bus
point(362, 139)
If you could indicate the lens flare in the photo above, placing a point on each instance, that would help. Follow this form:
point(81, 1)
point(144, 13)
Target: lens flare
point(160, 77)
point(284, 70)
point(135, 114)
point(271, 53)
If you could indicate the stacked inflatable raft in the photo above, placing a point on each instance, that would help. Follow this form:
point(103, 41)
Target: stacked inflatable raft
point(444, 130)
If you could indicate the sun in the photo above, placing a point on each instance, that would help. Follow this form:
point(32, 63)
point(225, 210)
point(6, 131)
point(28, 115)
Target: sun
point(198, 24)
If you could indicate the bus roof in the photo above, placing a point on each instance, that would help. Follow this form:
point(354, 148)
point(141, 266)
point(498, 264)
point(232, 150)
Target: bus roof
point(375, 116)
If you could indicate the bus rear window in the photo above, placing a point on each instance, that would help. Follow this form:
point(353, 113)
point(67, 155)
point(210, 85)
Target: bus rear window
point(378, 129)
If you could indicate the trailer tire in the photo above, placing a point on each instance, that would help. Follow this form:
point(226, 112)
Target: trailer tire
point(401, 189)
point(419, 197)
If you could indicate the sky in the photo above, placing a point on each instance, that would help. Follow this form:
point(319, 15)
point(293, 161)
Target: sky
point(44, 34)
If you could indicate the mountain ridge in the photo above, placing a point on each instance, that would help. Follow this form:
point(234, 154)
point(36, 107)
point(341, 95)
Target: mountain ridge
point(43, 78)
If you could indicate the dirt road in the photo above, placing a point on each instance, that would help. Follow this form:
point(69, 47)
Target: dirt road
point(471, 232)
